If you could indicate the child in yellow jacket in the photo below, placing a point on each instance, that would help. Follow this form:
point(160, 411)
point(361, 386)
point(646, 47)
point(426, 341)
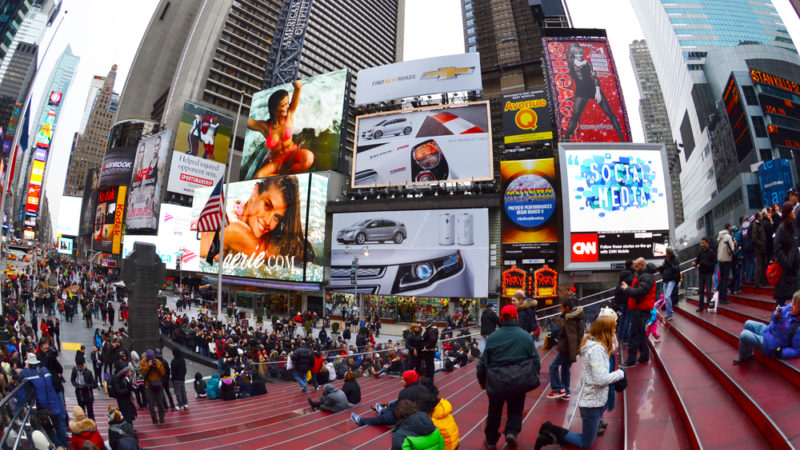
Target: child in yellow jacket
point(441, 412)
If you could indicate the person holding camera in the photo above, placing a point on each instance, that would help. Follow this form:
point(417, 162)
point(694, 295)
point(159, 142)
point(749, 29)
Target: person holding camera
point(153, 372)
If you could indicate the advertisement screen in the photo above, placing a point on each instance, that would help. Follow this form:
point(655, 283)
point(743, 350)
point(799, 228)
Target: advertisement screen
point(65, 245)
point(526, 118)
point(585, 90)
point(295, 128)
point(104, 218)
point(784, 137)
point(775, 178)
point(68, 220)
point(436, 253)
point(204, 133)
point(738, 119)
point(117, 166)
point(437, 75)
point(45, 134)
point(530, 216)
point(148, 171)
point(779, 107)
point(175, 239)
point(274, 231)
point(32, 199)
point(423, 146)
point(617, 205)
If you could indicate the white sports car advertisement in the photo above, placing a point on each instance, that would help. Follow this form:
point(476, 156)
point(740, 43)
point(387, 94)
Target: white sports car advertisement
point(436, 253)
point(423, 146)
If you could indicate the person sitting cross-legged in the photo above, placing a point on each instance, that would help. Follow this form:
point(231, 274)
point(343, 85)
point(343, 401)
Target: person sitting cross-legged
point(333, 400)
point(412, 389)
point(778, 339)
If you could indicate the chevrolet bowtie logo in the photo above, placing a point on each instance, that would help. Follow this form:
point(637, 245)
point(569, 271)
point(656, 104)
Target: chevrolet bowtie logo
point(446, 73)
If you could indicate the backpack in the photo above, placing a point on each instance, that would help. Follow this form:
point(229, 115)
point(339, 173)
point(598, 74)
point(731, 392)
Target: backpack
point(774, 273)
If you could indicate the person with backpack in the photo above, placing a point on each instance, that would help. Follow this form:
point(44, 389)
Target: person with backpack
point(302, 361)
point(120, 387)
point(671, 275)
point(165, 380)
point(726, 248)
point(121, 434)
point(47, 400)
point(778, 339)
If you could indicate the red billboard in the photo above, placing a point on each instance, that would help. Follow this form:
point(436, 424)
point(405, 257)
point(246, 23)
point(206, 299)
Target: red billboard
point(585, 90)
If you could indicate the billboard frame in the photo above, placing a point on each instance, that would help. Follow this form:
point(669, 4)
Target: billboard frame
point(568, 264)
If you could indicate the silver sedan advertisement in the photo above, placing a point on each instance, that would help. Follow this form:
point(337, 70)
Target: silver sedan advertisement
point(423, 146)
point(436, 253)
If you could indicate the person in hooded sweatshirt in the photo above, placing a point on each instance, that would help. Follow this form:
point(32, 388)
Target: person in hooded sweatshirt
point(84, 429)
point(199, 385)
point(414, 428)
point(120, 387)
point(121, 434)
point(178, 376)
point(332, 400)
point(212, 387)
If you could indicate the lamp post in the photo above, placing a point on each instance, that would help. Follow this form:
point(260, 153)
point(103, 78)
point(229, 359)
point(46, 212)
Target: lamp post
point(354, 279)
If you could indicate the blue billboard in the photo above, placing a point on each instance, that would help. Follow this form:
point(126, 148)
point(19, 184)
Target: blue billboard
point(775, 178)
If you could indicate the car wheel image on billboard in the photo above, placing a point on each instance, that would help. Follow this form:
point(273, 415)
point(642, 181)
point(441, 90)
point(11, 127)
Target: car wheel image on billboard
point(423, 146)
point(618, 207)
point(437, 253)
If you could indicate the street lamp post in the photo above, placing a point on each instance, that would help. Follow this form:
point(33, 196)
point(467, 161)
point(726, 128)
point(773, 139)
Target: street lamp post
point(354, 280)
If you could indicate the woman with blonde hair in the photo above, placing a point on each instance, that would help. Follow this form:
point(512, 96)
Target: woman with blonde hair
point(595, 350)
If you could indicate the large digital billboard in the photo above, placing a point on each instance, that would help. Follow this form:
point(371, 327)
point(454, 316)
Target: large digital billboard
point(175, 239)
point(34, 193)
point(117, 166)
point(148, 172)
point(585, 90)
point(526, 118)
point(451, 73)
point(775, 179)
point(616, 206)
point(734, 107)
point(436, 253)
point(530, 219)
point(295, 128)
point(89, 202)
point(423, 146)
point(68, 221)
point(109, 212)
point(784, 137)
point(65, 245)
point(276, 228)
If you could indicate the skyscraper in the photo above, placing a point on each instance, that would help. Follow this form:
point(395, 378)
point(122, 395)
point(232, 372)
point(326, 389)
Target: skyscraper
point(653, 113)
point(91, 144)
point(17, 79)
point(32, 29)
point(12, 14)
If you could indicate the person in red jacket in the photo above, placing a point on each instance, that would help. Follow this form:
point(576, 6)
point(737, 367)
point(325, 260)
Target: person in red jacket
point(316, 367)
point(641, 300)
point(84, 429)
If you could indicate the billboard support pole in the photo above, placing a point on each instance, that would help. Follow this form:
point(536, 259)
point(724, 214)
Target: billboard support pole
point(225, 208)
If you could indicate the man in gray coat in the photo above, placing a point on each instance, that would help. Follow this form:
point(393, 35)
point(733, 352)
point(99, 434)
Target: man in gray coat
point(332, 400)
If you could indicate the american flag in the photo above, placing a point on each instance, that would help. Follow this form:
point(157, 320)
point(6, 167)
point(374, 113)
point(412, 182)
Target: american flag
point(212, 214)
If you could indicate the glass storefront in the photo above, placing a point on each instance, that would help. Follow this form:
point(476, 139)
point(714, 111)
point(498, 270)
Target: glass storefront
point(405, 309)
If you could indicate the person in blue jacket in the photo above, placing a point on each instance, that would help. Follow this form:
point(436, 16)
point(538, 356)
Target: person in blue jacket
point(212, 387)
point(46, 398)
point(779, 339)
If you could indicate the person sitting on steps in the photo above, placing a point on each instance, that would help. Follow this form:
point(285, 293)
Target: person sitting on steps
point(779, 339)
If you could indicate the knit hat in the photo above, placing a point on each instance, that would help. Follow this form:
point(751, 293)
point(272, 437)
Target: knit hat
point(158, 352)
point(508, 312)
point(150, 355)
point(79, 414)
point(429, 322)
point(410, 376)
point(606, 311)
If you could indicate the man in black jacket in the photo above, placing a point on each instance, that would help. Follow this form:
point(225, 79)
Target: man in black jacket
point(84, 383)
point(178, 377)
point(489, 322)
point(671, 274)
point(414, 346)
point(429, 340)
point(705, 262)
point(302, 360)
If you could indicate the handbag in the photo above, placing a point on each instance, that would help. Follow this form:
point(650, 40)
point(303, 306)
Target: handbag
point(774, 273)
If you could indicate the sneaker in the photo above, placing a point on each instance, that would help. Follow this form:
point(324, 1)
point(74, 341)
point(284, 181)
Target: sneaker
point(566, 397)
point(658, 339)
point(740, 361)
point(378, 407)
point(557, 394)
point(669, 318)
point(511, 440)
point(627, 365)
point(185, 407)
point(488, 445)
point(356, 419)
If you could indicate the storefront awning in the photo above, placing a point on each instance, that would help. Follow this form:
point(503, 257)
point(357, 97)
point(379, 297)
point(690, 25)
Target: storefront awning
point(266, 284)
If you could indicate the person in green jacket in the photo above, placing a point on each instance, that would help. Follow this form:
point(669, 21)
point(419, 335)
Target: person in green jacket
point(415, 429)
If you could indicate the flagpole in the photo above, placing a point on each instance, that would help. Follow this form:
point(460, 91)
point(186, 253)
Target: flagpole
point(225, 210)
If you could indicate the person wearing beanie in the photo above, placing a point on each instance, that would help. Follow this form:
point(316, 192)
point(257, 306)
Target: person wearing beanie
point(121, 434)
point(412, 390)
point(508, 369)
point(153, 371)
point(430, 337)
point(570, 330)
point(84, 429)
point(84, 383)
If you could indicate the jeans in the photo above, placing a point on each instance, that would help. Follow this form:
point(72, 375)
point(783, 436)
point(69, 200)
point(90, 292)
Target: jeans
point(385, 417)
point(155, 402)
point(751, 338)
point(705, 291)
point(301, 379)
point(737, 276)
point(591, 423)
point(563, 363)
point(180, 392)
point(314, 380)
point(625, 329)
point(669, 286)
point(724, 274)
point(637, 343)
point(514, 406)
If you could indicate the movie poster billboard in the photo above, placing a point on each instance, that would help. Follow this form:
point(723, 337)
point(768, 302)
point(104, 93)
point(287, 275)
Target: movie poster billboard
point(431, 253)
point(423, 146)
point(526, 118)
point(144, 198)
point(617, 205)
point(117, 166)
point(175, 239)
point(276, 228)
point(529, 220)
point(585, 90)
point(295, 128)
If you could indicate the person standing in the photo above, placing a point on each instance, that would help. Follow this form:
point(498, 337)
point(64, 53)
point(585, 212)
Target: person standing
point(152, 372)
point(725, 250)
point(489, 322)
point(120, 387)
point(430, 337)
point(705, 262)
point(84, 384)
point(508, 368)
point(641, 300)
point(46, 397)
point(759, 239)
point(786, 253)
point(414, 346)
point(302, 361)
point(178, 380)
point(570, 333)
point(97, 365)
point(165, 380)
point(671, 274)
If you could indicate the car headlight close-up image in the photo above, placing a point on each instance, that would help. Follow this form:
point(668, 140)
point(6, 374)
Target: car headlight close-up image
point(424, 273)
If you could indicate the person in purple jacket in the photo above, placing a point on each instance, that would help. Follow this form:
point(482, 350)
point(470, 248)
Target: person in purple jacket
point(779, 339)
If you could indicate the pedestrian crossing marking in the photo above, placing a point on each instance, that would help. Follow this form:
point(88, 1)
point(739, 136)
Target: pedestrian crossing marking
point(71, 346)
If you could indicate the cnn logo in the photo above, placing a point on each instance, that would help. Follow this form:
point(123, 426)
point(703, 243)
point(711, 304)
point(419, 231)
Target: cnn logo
point(584, 247)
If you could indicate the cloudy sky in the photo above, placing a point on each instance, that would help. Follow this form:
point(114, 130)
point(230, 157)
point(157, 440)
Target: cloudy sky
point(433, 27)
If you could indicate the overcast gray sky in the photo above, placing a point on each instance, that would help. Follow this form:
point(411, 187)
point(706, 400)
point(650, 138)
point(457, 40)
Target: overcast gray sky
point(106, 32)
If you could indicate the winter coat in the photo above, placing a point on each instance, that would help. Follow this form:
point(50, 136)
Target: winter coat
point(352, 390)
point(642, 292)
point(212, 387)
point(527, 316)
point(318, 362)
point(199, 385)
point(596, 377)
point(417, 432)
point(725, 246)
point(334, 399)
point(619, 297)
point(777, 334)
point(511, 349)
point(151, 373)
point(759, 237)
point(302, 360)
point(41, 380)
point(122, 435)
point(413, 342)
point(442, 417)
point(228, 389)
point(706, 260)
point(670, 269)
point(412, 392)
point(429, 338)
point(83, 391)
point(489, 322)
point(85, 430)
point(178, 366)
point(785, 252)
point(570, 333)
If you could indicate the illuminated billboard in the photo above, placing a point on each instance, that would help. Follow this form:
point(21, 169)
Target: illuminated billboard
point(526, 118)
point(435, 253)
point(175, 239)
point(585, 90)
point(295, 128)
point(423, 146)
point(144, 198)
point(65, 245)
point(276, 228)
point(68, 219)
point(45, 134)
point(117, 166)
point(109, 212)
point(737, 117)
point(616, 206)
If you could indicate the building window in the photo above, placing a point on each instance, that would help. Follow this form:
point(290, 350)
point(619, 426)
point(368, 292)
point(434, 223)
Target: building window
point(765, 153)
point(785, 153)
point(753, 196)
point(750, 95)
point(758, 125)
